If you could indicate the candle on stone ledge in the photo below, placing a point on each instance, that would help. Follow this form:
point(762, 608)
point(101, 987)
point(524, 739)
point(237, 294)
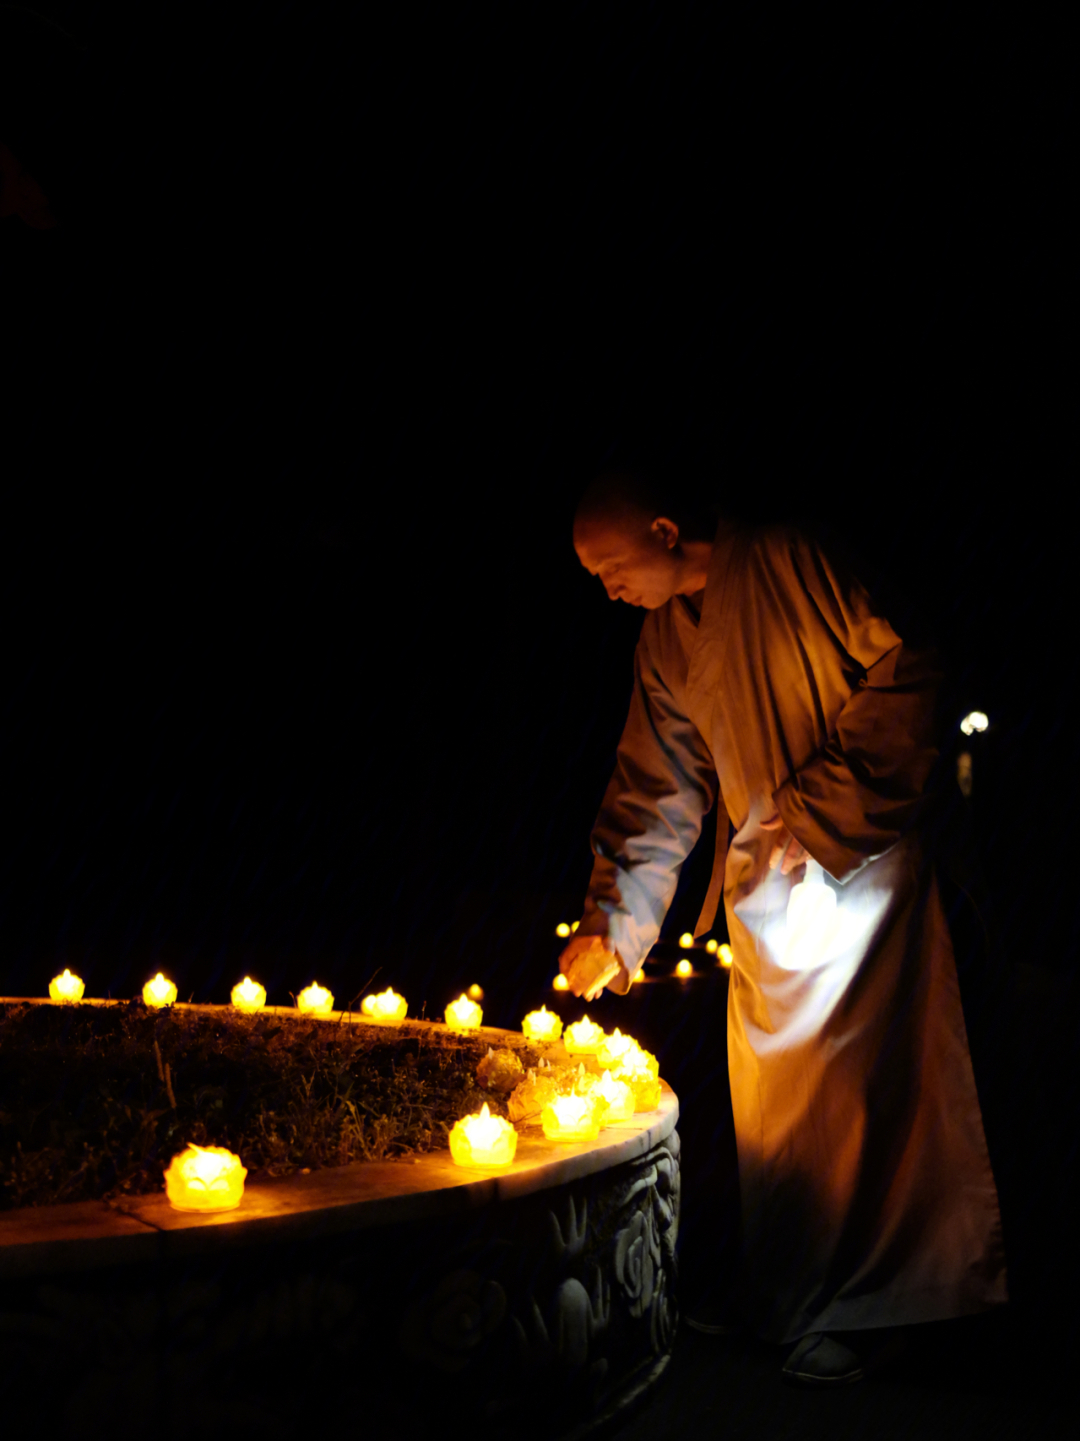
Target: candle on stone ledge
point(66, 987)
point(248, 996)
point(573, 1118)
point(159, 992)
point(619, 1096)
point(463, 1014)
point(645, 1086)
point(615, 1048)
point(541, 1025)
point(205, 1178)
point(584, 1037)
point(385, 1006)
point(315, 1000)
point(483, 1140)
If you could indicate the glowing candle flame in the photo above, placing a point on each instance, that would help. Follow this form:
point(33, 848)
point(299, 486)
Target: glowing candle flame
point(726, 956)
point(247, 995)
point(541, 1025)
point(615, 1048)
point(475, 992)
point(584, 1037)
point(639, 975)
point(159, 991)
point(483, 1140)
point(976, 720)
point(645, 1086)
point(562, 930)
point(684, 969)
point(66, 987)
point(315, 1000)
point(385, 1006)
point(712, 946)
point(560, 983)
point(686, 940)
point(205, 1178)
point(635, 1058)
point(463, 1014)
point(573, 1118)
point(574, 925)
point(619, 1096)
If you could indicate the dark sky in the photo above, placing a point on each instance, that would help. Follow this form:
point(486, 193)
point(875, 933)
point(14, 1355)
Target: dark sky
point(302, 673)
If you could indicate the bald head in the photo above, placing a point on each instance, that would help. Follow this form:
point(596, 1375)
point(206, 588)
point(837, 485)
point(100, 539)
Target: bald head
point(623, 535)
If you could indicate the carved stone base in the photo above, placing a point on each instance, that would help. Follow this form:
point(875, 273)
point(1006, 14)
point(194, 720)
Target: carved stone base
point(540, 1315)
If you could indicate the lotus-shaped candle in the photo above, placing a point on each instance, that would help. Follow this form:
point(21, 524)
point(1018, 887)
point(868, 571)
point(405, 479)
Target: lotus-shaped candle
point(205, 1178)
point(159, 992)
point(248, 996)
point(385, 1006)
point(66, 987)
point(541, 1025)
point(483, 1140)
point(463, 1014)
point(530, 1097)
point(619, 1096)
point(315, 1000)
point(584, 1037)
point(499, 1070)
point(615, 1048)
point(645, 1086)
point(573, 1118)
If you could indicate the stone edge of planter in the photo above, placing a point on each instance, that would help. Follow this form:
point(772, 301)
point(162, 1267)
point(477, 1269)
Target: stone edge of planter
point(85, 1235)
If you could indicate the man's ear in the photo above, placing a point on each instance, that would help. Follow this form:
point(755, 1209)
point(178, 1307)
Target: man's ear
point(667, 530)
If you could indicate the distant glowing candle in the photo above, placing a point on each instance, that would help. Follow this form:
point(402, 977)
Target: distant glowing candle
point(483, 1140)
point(562, 930)
point(475, 992)
point(315, 1000)
point(159, 991)
point(726, 956)
point(711, 946)
point(615, 1048)
point(639, 975)
point(541, 1025)
point(572, 1118)
point(247, 995)
point(560, 983)
point(584, 1037)
point(66, 987)
point(385, 1006)
point(463, 1014)
point(684, 969)
point(574, 925)
point(619, 1096)
point(205, 1178)
point(686, 940)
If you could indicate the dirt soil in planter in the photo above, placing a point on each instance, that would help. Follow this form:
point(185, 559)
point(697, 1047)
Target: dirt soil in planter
point(96, 1100)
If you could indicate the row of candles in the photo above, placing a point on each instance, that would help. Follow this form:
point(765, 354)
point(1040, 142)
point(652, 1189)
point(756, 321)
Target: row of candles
point(211, 1178)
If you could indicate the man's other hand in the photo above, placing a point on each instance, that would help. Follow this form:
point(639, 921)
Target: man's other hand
point(589, 963)
point(787, 852)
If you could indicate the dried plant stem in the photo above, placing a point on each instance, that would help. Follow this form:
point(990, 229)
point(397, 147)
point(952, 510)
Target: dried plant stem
point(168, 1086)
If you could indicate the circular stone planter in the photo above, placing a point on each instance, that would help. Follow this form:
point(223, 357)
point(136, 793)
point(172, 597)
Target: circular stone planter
point(535, 1300)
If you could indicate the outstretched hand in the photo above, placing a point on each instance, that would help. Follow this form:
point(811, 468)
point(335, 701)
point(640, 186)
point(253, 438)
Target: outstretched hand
point(787, 852)
point(589, 963)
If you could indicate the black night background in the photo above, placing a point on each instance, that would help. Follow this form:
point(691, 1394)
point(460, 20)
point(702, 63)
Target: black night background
point(302, 676)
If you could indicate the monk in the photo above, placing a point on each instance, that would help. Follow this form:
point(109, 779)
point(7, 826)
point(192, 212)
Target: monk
point(766, 684)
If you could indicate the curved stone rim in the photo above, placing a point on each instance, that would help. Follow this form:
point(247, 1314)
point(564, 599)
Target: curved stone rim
point(85, 1235)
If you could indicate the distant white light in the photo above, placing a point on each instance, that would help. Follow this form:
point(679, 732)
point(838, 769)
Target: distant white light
point(686, 940)
point(975, 721)
point(562, 929)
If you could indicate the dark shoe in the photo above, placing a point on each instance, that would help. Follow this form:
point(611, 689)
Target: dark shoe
point(823, 1360)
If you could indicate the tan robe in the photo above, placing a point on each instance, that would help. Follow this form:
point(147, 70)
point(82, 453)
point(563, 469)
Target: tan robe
point(867, 1194)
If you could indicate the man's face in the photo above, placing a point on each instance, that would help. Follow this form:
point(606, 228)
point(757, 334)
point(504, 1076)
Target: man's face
point(633, 556)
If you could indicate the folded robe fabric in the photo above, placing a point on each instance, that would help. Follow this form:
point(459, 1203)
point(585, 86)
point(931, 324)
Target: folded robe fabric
point(867, 1194)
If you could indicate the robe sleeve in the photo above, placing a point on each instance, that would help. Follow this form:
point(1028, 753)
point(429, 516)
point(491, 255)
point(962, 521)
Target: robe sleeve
point(663, 785)
point(865, 789)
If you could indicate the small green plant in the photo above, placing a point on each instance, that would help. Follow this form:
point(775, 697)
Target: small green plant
point(95, 1100)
